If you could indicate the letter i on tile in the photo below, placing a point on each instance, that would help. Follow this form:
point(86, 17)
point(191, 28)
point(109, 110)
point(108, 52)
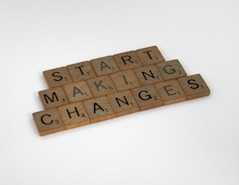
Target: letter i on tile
point(125, 80)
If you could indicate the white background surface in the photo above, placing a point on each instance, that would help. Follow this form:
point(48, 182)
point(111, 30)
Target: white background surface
point(189, 143)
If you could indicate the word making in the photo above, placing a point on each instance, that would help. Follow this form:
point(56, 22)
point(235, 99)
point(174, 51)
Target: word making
point(111, 86)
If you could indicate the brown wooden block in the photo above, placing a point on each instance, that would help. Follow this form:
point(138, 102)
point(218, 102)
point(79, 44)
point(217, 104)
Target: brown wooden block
point(170, 91)
point(100, 86)
point(53, 97)
point(48, 121)
point(127, 60)
point(81, 71)
point(123, 103)
point(148, 75)
point(171, 70)
point(57, 77)
point(99, 109)
point(74, 115)
point(77, 91)
point(125, 80)
point(105, 65)
point(194, 86)
point(147, 97)
point(150, 55)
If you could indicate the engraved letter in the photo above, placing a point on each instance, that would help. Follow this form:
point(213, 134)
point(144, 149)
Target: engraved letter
point(168, 90)
point(51, 99)
point(146, 96)
point(69, 113)
point(97, 107)
point(99, 85)
point(103, 65)
point(196, 85)
point(43, 120)
point(125, 101)
point(169, 69)
point(76, 91)
point(57, 75)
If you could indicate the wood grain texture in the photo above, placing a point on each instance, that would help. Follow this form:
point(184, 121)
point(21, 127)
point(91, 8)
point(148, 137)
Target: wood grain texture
point(99, 109)
point(125, 80)
point(74, 115)
point(148, 75)
point(104, 65)
point(147, 97)
point(107, 87)
point(194, 86)
point(171, 70)
point(123, 103)
point(127, 60)
point(81, 71)
point(57, 77)
point(171, 92)
point(77, 91)
point(102, 85)
point(150, 55)
point(53, 97)
point(48, 121)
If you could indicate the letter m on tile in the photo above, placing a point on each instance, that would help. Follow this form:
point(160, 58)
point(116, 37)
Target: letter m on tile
point(51, 98)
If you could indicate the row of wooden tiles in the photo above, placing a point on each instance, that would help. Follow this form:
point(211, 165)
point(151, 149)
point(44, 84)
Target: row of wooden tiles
point(103, 66)
point(107, 84)
point(120, 103)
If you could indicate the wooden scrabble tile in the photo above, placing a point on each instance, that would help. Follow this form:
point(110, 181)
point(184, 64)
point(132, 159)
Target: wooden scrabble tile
point(125, 80)
point(77, 91)
point(81, 71)
point(171, 70)
point(170, 91)
point(100, 86)
point(148, 75)
point(150, 55)
point(147, 97)
point(123, 103)
point(53, 97)
point(48, 121)
point(194, 86)
point(57, 77)
point(99, 109)
point(112, 86)
point(127, 60)
point(104, 65)
point(74, 115)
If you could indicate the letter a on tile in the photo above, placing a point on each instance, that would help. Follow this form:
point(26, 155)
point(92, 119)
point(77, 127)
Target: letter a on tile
point(97, 107)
